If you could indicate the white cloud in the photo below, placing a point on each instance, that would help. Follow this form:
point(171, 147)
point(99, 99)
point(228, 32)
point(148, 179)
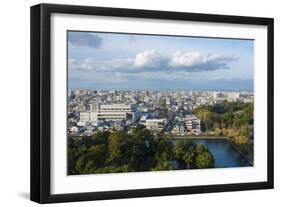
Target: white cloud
point(89, 64)
point(196, 61)
point(149, 58)
point(187, 59)
point(151, 61)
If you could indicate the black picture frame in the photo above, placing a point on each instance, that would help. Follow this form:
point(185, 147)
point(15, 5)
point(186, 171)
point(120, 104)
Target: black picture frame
point(41, 102)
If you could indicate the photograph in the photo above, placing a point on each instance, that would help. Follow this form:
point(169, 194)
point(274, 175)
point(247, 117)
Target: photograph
point(156, 102)
point(133, 103)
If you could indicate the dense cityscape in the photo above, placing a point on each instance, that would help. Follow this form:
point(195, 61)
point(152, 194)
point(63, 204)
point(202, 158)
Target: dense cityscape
point(92, 111)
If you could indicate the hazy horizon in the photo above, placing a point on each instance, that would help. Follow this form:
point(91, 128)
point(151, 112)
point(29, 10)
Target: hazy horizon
point(112, 89)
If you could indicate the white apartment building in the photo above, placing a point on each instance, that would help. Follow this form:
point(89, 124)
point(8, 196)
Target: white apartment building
point(233, 96)
point(192, 122)
point(88, 116)
point(155, 124)
point(228, 96)
point(219, 97)
point(179, 130)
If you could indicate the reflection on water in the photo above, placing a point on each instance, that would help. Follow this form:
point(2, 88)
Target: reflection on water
point(224, 153)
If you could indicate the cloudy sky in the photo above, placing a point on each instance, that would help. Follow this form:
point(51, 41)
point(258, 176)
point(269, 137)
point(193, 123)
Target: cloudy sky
point(129, 61)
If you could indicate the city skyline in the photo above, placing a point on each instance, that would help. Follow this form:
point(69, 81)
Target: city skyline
point(110, 61)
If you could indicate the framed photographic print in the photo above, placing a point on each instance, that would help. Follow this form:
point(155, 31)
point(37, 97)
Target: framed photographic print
point(133, 103)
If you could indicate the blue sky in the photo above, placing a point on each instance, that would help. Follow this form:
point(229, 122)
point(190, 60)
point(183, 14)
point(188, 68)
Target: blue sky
point(129, 61)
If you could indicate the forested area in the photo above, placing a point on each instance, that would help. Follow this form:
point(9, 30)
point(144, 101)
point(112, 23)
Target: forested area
point(115, 152)
point(234, 120)
point(231, 119)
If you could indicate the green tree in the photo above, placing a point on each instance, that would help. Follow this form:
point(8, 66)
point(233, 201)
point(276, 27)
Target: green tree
point(227, 119)
point(189, 159)
point(206, 117)
point(217, 131)
point(248, 112)
point(182, 153)
point(142, 150)
point(91, 160)
point(203, 157)
point(100, 138)
point(164, 153)
point(163, 162)
point(204, 160)
point(115, 141)
point(98, 154)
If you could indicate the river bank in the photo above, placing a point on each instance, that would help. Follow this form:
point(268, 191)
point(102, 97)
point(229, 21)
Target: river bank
point(200, 137)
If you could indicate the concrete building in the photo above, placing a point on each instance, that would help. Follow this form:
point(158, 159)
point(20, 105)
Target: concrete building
point(192, 122)
point(114, 112)
point(233, 96)
point(219, 97)
point(179, 129)
point(109, 112)
point(74, 129)
point(88, 116)
point(155, 124)
point(195, 132)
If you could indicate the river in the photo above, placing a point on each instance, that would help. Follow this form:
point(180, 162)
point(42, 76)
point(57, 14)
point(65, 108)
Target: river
point(225, 154)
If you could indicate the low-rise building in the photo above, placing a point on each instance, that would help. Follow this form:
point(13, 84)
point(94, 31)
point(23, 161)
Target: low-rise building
point(155, 124)
point(110, 112)
point(74, 129)
point(88, 116)
point(179, 129)
point(192, 122)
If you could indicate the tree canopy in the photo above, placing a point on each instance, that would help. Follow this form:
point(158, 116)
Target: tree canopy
point(110, 152)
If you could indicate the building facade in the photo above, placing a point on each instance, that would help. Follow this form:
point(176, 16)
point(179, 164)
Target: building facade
point(192, 122)
point(155, 124)
point(109, 112)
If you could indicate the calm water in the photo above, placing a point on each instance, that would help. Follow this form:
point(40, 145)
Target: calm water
point(224, 153)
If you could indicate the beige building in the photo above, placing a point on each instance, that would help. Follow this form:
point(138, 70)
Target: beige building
point(113, 111)
point(108, 112)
